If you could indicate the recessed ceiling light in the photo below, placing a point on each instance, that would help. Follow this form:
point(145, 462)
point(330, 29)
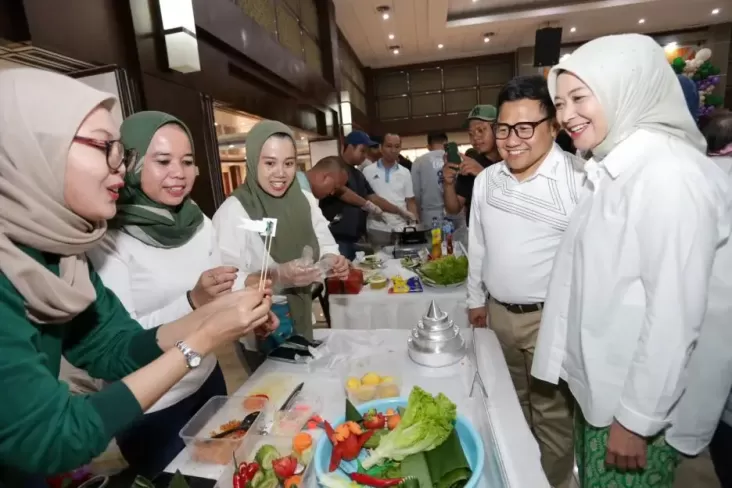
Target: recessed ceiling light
point(391, 36)
point(440, 46)
point(573, 29)
point(486, 39)
point(641, 21)
point(715, 11)
point(395, 51)
point(385, 16)
point(384, 11)
point(231, 146)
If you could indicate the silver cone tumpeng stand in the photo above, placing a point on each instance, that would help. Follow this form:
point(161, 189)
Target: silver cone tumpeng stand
point(436, 341)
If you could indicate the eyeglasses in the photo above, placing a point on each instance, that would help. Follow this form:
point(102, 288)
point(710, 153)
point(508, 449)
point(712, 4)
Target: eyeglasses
point(523, 130)
point(114, 151)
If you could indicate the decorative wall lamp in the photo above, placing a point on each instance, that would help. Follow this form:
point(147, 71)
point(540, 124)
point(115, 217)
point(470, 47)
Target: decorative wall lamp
point(179, 31)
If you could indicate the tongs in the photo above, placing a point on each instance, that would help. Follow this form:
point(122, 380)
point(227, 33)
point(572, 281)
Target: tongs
point(477, 379)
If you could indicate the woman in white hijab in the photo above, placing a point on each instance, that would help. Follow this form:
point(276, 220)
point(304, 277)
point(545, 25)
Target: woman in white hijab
point(631, 281)
point(61, 168)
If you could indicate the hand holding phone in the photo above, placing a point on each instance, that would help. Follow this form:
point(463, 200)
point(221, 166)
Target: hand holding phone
point(452, 156)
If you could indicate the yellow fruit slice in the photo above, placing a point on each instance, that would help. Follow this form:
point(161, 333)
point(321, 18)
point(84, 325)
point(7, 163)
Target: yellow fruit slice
point(387, 379)
point(353, 383)
point(371, 379)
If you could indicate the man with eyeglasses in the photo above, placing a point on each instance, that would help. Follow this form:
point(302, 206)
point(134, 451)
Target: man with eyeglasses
point(458, 181)
point(521, 207)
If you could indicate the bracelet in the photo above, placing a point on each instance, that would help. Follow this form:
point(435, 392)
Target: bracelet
point(190, 301)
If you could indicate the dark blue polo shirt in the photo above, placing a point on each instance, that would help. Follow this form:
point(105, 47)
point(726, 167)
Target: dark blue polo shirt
point(353, 220)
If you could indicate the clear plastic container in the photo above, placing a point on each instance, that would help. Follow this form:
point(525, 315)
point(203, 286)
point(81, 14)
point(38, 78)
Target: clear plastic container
point(373, 377)
point(212, 419)
point(248, 450)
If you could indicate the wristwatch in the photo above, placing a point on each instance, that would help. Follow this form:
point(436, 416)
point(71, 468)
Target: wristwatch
point(193, 359)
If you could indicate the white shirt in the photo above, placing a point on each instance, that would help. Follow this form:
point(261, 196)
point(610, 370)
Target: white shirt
point(394, 185)
point(631, 284)
point(152, 282)
point(245, 249)
point(516, 226)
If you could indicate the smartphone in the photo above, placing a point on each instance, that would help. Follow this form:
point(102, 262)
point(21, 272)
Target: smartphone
point(301, 341)
point(453, 155)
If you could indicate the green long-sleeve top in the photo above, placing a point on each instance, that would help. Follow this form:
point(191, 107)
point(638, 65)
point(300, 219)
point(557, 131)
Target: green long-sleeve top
point(44, 429)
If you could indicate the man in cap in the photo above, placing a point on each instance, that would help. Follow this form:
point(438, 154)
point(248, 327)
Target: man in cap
point(459, 179)
point(348, 208)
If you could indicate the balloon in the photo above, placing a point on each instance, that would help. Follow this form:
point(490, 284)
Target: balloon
point(679, 65)
point(703, 54)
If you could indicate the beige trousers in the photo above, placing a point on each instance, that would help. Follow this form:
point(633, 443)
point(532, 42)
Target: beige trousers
point(547, 407)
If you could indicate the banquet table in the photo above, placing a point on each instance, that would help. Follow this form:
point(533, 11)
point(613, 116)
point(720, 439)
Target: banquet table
point(512, 458)
point(371, 309)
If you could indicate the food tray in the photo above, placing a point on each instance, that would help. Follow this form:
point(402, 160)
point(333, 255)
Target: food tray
point(196, 434)
point(248, 450)
point(383, 365)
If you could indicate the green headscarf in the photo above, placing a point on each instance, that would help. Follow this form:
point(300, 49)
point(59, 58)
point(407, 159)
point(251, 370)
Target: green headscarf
point(138, 215)
point(294, 223)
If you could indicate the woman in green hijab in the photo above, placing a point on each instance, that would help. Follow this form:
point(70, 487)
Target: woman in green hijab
point(159, 258)
point(271, 190)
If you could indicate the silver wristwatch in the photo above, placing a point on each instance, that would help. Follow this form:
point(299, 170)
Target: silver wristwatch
point(193, 359)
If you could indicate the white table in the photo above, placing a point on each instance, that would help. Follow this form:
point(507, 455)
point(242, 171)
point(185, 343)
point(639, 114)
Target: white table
point(374, 309)
point(512, 455)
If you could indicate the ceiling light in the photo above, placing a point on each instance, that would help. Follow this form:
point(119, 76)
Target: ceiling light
point(573, 29)
point(440, 46)
point(231, 146)
point(302, 138)
point(486, 39)
point(391, 36)
point(384, 11)
point(395, 51)
point(641, 21)
point(715, 11)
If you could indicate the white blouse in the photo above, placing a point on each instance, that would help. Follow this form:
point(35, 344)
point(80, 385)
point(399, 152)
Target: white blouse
point(245, 249)
point(152, 282)
point(630, 290)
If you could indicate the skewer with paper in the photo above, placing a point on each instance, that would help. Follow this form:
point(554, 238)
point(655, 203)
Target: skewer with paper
point(268, 229)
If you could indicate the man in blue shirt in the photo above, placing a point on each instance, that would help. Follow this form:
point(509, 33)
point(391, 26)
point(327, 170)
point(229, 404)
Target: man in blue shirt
point(347, 209)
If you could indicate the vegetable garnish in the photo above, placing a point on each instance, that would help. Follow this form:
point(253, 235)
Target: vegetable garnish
point(374, 420)
point(293, 482)
point(426, 423)
point(302, 441)
point(448, 270)
point(367, 480)
point(284, 467)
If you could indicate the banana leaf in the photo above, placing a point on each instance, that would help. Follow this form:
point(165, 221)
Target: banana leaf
point(442, 467)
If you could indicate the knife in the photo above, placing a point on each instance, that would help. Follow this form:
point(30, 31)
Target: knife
point(290, 399)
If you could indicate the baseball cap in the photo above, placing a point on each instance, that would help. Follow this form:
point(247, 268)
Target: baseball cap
point(360, 137)
point(483, 112)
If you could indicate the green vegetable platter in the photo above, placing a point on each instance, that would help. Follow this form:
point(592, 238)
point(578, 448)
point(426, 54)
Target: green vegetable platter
point(445, 272)
point(419, 442)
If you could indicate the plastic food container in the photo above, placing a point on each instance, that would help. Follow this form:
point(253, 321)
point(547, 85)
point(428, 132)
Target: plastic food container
point(212, 418)
point(374, 377)
point(350, 286)
point(251, 444)
point(378, 282)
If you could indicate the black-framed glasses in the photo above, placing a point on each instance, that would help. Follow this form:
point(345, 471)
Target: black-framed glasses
point(523, 130)
point(114, 151)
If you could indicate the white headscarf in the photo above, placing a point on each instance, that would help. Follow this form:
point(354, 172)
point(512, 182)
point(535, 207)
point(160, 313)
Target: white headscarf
point(636, 86)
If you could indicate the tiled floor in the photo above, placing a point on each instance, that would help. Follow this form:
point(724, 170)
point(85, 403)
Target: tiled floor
point(693, 473)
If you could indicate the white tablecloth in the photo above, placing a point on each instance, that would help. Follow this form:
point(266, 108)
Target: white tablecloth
point(377, 309)
point(512, 454)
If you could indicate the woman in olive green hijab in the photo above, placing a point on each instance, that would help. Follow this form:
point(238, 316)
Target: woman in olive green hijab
point(159, 258)
point(271, 190)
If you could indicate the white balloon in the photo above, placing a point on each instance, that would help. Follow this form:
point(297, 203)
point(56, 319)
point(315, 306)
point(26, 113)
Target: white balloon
point(703, 55)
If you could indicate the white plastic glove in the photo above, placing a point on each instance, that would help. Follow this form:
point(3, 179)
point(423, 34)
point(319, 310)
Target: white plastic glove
point(408, 216)
point(373, 209)
point(298, 272)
